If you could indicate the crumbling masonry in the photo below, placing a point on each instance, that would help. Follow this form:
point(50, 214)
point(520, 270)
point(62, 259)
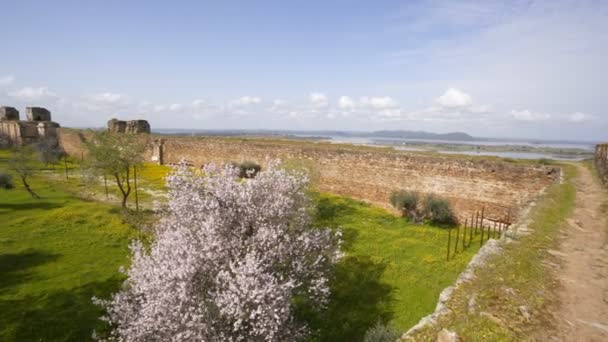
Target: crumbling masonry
point(37, 126)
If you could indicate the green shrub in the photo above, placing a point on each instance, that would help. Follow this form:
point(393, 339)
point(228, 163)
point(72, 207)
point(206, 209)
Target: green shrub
point(247, 169)
point(6, 181)
point(380, 333)
point(407, 200)
point(438, 210)
point(545, 161)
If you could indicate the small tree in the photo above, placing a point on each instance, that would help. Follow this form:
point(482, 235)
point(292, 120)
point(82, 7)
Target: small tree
point(23, 163)
point(115, 154)
point(229, 262)
point(438, 210)
point(49, 151)
point(407, 203)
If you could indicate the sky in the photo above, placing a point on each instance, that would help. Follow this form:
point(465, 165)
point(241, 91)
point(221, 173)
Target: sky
point(532, 69)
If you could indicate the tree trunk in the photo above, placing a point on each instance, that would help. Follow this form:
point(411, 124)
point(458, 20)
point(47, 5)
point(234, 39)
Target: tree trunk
point(135, 184)
point(27, 187)
point(125, 192)
point(105, 183)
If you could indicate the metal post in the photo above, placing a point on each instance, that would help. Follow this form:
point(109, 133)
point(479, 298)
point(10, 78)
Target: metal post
point(457, 235)
point(449, 242)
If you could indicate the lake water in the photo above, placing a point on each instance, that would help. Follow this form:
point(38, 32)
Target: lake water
point(410, 145)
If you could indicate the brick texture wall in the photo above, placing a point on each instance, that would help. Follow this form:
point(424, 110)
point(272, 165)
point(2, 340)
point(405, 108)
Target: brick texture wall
point(371, 174)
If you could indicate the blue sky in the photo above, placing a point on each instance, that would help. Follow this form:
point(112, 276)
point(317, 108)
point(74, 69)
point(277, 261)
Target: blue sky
point(489, 68)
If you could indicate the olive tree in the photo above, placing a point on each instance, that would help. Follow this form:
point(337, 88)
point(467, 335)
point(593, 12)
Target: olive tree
point(23, 163)
point(230, 260)
point(49, 151)
point(115, 154)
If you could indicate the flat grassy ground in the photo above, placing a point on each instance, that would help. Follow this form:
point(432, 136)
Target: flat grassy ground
point(57, 252)
point(393, 271)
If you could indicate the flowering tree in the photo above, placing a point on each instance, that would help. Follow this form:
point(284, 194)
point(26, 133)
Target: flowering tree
point(230, 259)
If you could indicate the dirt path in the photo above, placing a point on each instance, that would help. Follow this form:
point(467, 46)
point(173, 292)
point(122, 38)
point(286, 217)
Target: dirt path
point(584, 277)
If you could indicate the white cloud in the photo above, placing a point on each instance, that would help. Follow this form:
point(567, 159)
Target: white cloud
point(318, 100)
point(454, 98)
point(278, 102)
point(175, 107)
point(29, 93)
point(198, 103)
point(160, 108)
point(345, 102)
point(580, 117)
point(6, 80)
point(527, 115)
point(383, 102)
point(246, 100)
point(110, 98)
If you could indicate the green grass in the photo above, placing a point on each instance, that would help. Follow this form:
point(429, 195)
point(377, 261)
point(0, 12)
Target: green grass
point(514, 278)
point(55, 254)
point(393, 271)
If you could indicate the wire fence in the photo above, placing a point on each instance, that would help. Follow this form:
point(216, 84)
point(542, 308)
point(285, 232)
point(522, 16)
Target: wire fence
point(476, 229)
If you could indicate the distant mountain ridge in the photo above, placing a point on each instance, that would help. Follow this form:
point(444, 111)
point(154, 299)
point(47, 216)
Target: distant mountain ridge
point(395, 134)
point(459, 136)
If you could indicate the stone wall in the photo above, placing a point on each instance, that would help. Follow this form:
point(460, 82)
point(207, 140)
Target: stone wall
point(38, 125)
point(132, 126)
point(601, 162)
point(369, 173)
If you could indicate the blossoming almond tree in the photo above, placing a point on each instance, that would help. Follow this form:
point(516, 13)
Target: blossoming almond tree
point(229, 260)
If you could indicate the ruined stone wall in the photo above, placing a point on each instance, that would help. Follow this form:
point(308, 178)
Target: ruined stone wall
point(601, 162)
point(38, 125)
point(371, 174)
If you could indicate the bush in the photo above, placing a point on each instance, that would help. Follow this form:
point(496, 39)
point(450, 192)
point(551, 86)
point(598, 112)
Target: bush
point(545, 161)
point(248, 169)
point(6, 181)
point(438, 210)
point(381, 333)
point(407, 203)
point(404, 200)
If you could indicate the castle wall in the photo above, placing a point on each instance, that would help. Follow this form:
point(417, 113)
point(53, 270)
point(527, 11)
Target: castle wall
point(601, 162)
point(368, 173)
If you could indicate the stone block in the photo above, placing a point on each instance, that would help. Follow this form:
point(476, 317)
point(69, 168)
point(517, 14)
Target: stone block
point(117, 126)
point(138, 126)
point(9, 114)
point(38, 114)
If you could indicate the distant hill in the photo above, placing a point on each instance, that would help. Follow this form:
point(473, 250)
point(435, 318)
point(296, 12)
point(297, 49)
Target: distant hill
point(422, 135)
point(397, 134)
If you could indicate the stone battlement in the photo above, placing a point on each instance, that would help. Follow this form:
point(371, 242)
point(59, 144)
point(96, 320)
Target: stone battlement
point(132, 126)
point(37, 126)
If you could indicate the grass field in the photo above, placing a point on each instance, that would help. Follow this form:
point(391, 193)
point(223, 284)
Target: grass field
point(57, 252)
point(520, 268)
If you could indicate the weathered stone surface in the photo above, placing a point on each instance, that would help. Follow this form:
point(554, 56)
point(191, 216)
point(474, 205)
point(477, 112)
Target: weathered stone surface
point(37, 114)
point(373, 174)
point(117, 126)
point(137, 126)
point(446, 335)
point(9, 114)
point(601, 162)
